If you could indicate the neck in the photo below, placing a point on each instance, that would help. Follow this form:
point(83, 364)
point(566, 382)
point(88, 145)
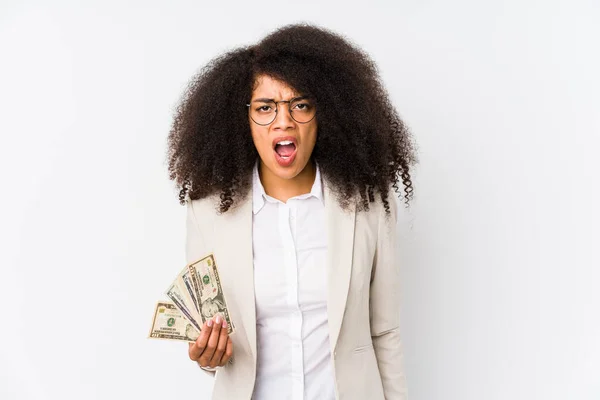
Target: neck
point(284, 189)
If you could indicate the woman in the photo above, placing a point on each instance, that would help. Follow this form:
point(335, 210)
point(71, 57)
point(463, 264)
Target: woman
point(285, 153)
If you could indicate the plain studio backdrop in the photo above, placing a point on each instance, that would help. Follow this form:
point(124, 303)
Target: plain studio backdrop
point(499, 251)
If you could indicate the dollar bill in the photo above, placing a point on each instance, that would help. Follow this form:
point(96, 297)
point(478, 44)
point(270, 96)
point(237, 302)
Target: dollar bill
point(168, 323)
point(208, 291)
point(179, 301)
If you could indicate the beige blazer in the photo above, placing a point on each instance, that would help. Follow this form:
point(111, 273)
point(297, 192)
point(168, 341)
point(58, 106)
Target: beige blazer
point(362, 297)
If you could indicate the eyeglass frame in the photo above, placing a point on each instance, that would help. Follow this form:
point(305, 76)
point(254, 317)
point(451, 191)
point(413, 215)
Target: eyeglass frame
point(289, 110)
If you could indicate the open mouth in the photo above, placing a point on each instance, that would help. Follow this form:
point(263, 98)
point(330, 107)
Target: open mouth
point(285, 148)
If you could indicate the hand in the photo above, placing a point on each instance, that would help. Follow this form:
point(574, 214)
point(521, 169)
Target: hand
point(214, 347)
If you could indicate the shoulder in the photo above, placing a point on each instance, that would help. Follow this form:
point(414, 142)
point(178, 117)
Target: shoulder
point(382, 215)
point(205, 212)
point(201, 213)
point(375, 224)
point(203, 207)
point(383, 210)
point(200, 224)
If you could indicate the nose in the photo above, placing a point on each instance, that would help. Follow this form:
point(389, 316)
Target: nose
point(283, 118)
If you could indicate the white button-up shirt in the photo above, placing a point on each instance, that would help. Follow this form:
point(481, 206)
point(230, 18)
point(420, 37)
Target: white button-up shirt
point(290, 248)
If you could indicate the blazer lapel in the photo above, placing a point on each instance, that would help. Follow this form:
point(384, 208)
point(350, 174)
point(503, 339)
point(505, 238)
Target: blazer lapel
point(340, 242)
point(233, 255)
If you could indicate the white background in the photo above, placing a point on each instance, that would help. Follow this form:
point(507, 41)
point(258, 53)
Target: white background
point(500, 294)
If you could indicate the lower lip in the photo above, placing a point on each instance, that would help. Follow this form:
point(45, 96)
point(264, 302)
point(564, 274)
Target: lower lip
point(287, 161)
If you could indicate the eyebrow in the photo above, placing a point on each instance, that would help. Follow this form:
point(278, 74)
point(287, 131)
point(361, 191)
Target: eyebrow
point(265, 100)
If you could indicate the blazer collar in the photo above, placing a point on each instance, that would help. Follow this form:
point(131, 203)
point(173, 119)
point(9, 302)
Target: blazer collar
point(259, 196)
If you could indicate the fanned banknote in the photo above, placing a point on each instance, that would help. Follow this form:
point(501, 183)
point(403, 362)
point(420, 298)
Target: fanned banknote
point(196, 296)
point(208, 290)
point(168, 323)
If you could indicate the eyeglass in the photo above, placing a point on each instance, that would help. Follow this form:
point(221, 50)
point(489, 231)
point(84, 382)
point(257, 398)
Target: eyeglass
point(264, 111)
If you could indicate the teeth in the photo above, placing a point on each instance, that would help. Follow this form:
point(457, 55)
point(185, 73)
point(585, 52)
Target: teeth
point(285, 142)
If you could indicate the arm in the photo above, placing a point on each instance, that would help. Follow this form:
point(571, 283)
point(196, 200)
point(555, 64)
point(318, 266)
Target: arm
point(384, 307)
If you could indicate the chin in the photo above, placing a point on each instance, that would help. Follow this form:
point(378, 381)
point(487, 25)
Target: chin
point(286, 172)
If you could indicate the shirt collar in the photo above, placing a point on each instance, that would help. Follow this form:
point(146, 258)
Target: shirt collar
point(259, 196)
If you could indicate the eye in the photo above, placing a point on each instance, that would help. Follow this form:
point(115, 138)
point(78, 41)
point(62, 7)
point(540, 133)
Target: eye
point(265, 108)
point(302, 106)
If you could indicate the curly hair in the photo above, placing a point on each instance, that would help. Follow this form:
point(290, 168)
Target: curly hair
point(363, 148)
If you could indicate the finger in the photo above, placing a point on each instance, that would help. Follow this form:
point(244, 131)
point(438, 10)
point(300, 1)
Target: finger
point(221, 345)
point(228, 352)
point(196, 348)
point(213, 340)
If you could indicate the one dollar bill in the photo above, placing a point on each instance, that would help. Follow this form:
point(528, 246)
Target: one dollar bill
point(168, 323)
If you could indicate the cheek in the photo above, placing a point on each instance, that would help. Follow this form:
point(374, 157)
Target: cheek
point(310, 137)
point(260, 138)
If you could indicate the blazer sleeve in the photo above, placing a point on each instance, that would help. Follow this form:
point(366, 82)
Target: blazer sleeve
point(384, 307)
point(192, 238)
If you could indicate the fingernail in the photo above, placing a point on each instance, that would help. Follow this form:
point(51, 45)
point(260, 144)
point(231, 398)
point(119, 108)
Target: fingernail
point(218, 319)
point(224, 324)
point(210, 322)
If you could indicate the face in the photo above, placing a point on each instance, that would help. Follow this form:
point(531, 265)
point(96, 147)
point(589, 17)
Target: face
point(284, 146)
